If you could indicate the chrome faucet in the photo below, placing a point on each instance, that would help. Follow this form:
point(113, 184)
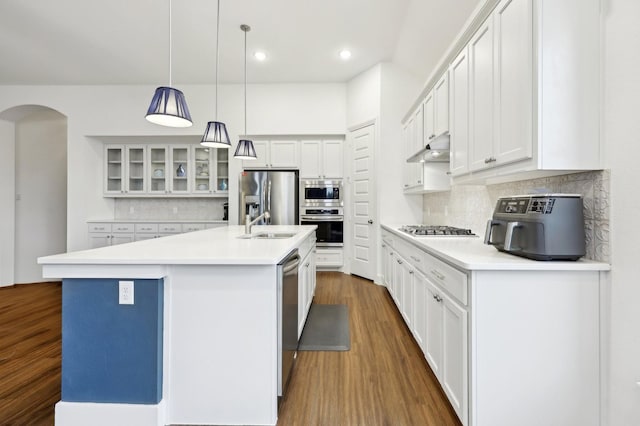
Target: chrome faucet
point(248, 223)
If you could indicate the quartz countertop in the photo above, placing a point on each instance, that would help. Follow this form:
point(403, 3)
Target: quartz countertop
point(471, 253)
point(218, 246)
point(157, 221)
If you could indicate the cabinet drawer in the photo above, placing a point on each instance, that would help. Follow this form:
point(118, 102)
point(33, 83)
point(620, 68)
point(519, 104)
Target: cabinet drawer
point(170, 228)
point(329, 258)
point(122, 227)
point(448, 277)
point(146, 227)
point(387, 237)
point(415, 256)
point(306, 246)
point(99, 227)
point(190, 227)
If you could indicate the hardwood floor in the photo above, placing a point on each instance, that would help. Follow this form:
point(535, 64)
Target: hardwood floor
point(384, 378)
point(30, 347)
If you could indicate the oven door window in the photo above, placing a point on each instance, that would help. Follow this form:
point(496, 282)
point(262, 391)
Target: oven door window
point(328, 232)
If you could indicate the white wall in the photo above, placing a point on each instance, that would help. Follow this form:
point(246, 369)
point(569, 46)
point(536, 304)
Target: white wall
point(41, 185)
point(120, 110)
point(622, 147)
point(363, 97)
point(7, 202)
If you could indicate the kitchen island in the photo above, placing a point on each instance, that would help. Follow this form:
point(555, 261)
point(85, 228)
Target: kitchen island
point(512, 341)
point(197, 345)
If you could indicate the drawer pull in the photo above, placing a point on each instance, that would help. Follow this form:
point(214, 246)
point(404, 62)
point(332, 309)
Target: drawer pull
point(438, 275)
point(410, 272)
point(399, 262)
point(437, 298)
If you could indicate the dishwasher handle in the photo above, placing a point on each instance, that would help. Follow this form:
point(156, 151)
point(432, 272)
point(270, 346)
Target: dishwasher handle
point(291, 264)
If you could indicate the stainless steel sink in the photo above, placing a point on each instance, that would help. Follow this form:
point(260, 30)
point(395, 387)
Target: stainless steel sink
point(268, 235)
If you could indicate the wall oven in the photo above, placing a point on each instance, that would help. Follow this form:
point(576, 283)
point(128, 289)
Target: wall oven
point(325, 193)
point(330, 223)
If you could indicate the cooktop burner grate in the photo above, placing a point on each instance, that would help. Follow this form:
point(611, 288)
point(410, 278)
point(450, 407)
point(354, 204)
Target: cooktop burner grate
point(435, 230)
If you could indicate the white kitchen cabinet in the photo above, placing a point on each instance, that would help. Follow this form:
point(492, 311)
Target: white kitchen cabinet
point(420, 309)
point(481, 94)
point(433, 337)
point(306, 281)
point(459, 114)
point(165, 170)
point(274, 154)
point(436, 110)
point(329, 258)
point(125, 170)
point(455, 355)
point(406, 303)
point(533, 101)
point(321, 159)
point(413, 172)
point(108, 234)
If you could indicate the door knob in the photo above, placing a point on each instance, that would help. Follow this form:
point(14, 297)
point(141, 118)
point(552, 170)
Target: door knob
point(370, 221)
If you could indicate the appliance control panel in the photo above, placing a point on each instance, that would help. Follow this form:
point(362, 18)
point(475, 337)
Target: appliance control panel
point(523, 205)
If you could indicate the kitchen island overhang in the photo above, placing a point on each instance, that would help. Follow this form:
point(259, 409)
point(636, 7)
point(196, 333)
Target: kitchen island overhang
point(215, 317)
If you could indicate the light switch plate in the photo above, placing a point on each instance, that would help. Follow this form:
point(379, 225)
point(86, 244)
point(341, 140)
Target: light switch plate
point(125, 292)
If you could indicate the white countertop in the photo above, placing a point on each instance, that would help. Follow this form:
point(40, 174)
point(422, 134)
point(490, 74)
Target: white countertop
point(157, 221)
point(471, 253)
point(218, 246)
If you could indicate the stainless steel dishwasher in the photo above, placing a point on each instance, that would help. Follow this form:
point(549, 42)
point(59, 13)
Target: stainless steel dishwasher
point(287, 317)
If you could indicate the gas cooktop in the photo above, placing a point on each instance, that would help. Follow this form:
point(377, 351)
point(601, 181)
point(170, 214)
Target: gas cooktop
point(436, 230)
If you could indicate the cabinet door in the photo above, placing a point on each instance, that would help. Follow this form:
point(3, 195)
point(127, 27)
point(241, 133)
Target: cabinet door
point(136, 170)
point(454, 365)
point(180, 172)
point(385, 264)
point(513, 21)
point(433, 338)
point(311, 159)
point(397, 279)
point(97, 240)
point(406, 147)
point(303, 278)
point(418, 134)
point(262, 154)
point(221, 162)
point(407, 294)
point(481, 91)
point(283, 154)
point(459, 113)
point(332, 159)
point(429, 127)
point(441, 105)
point(201, 178)
point(419, 309)
point(114, 169)
point(158, 161)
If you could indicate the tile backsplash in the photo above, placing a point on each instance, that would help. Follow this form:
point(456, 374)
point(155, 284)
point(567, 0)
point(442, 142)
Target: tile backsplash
point(169, 208)
point(470, 206)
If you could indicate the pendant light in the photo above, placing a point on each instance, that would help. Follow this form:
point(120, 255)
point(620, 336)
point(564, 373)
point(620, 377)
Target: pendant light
point(168, 106)
point(245, 149)
point(215, 135)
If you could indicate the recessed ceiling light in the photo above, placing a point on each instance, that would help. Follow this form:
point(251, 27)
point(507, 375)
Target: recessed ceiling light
point(345, 54)
point(260, 56)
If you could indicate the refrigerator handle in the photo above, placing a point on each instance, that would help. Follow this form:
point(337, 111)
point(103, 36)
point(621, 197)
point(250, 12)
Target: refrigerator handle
point(269, 201)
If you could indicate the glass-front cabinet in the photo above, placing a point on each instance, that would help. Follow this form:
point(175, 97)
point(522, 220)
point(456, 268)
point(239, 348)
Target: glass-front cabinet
point(165, 170)
point(125, 170)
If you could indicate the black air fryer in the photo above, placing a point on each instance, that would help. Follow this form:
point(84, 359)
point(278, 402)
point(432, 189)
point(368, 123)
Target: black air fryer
point(225, 216)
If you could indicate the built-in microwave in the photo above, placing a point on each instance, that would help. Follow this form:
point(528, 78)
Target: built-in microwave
point(327, 193)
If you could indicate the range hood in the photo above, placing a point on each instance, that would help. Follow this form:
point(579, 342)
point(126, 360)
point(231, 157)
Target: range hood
point(436, 151)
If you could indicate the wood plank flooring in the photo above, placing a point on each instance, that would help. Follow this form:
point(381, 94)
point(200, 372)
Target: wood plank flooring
point(30, 346)
point(382, 380)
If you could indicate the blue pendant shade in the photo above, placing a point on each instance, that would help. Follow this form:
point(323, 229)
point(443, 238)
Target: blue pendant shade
point(216, 136)
point(245, 150)
point(169, 108)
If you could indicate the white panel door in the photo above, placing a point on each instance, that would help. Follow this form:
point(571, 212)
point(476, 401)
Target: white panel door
point(441, 105)
point(419, 307)
point(433, 338)
point(454, 345)
point(363, 203)
point(283, 154)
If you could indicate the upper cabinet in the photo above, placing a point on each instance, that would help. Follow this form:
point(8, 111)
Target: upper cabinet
point(524, 91)
point(436, 110)
point(165, 170)
point(274, 154)
point(321, 159)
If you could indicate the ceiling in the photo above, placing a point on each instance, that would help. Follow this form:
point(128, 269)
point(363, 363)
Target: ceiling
point(81, 42)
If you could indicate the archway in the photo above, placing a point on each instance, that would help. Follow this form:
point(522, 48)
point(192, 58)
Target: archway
point(33, 190)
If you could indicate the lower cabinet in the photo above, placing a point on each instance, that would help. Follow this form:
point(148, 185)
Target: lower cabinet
point(102, 234)
point(306, 281)
point(433, 308)
point(110, 234)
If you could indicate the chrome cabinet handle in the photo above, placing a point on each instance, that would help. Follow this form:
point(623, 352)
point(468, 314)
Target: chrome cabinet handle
point(437, 298)
point(489, 160)
point(410, 272)
point(437, 274)
point(399, 261)
point(370, 221)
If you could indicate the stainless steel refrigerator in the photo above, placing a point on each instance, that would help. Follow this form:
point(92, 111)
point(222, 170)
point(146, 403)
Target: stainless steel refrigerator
point(272, 191)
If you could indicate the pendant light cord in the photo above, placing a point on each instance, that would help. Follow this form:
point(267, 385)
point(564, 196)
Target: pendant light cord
point(215, 115)
point(170, 40)
point(245, 81)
